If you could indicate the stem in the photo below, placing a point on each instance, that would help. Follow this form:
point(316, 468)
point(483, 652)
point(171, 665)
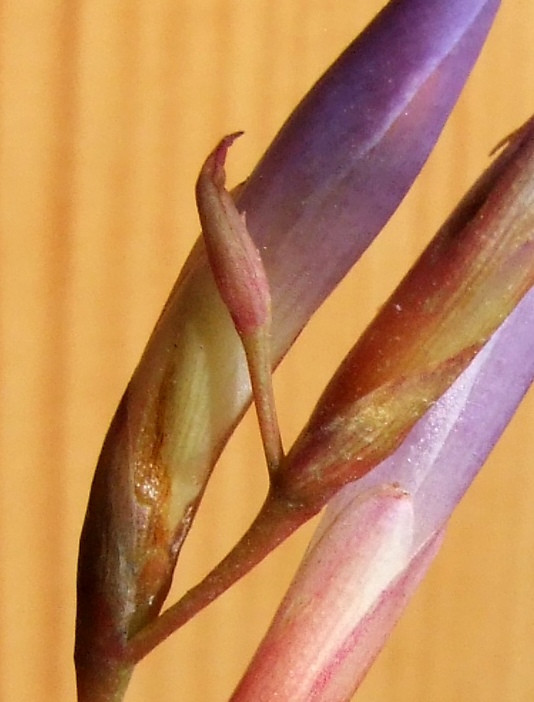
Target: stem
point(257, 350)
point(277, 520)
point(103, 681)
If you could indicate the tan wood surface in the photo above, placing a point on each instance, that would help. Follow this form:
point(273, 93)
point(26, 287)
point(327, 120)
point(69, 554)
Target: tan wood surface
point(107, 108)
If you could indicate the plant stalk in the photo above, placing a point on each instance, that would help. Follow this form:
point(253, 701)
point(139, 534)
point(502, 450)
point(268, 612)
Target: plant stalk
point(277, 520)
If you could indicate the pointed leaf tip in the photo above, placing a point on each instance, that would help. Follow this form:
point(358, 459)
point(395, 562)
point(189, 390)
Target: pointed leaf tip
point(216, 161)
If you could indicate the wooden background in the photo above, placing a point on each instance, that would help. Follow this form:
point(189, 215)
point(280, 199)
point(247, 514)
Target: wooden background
point(107, 108)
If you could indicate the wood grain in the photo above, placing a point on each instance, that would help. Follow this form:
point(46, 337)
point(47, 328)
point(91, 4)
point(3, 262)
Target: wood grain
point(107, 108)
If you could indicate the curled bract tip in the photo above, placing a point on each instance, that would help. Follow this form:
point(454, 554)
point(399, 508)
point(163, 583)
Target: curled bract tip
point(234, 259)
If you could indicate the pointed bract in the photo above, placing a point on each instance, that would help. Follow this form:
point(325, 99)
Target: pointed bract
point(234, 260)
point(241, 280)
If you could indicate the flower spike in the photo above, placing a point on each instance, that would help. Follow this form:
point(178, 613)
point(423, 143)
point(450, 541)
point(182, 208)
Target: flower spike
point(324, 189)
point(331, 179)
point(483, 254)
